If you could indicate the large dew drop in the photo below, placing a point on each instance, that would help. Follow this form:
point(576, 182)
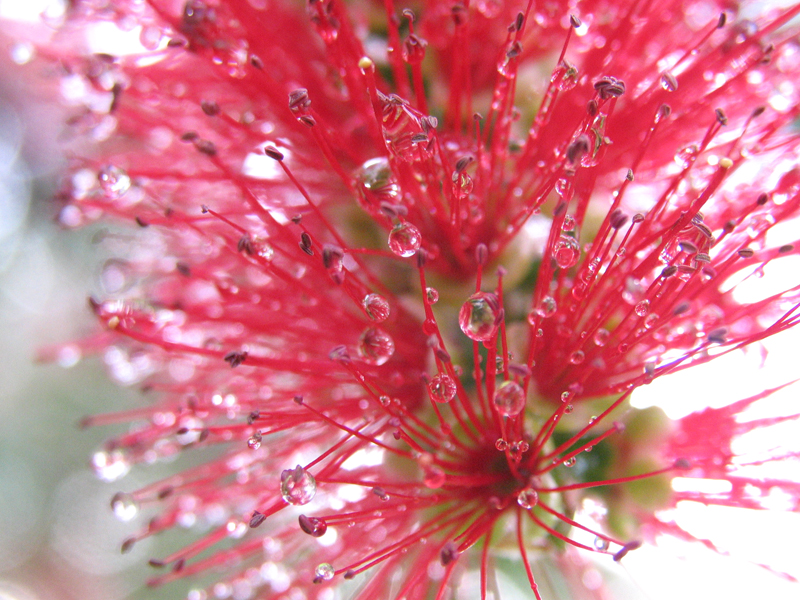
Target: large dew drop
point(376, 184)
point(405, 240)
point(114, 181)
point(566, 252)
point(480, 316)
point(442, 388)
point(324, 572)
point(509, 399)
point(375, 346)
point(376, 307)
point(527, 498)
point(298, 486)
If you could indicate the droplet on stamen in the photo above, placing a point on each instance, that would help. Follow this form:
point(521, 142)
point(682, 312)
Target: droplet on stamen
point(527, 498)
point(324, 572)
point(509, 399)
point(442, 388)
point(375, 346)
point(376, 307)
point(298, 486)
point(480, 316)
point(405, 240)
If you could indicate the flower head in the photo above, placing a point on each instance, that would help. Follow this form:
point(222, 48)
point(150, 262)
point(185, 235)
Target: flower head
point(407, 268)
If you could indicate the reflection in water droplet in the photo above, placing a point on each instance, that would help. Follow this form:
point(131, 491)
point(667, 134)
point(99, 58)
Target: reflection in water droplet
point(480, 316)
point(298, 486)
point(114, 181)
point(375, 346)
point(442, 388)
point(434, 477)
point(547, 307)
point(601, 337)
point(566, 251)
point(110, 466)
point(509, 399)
point(642, 308)
point(570, 462)
point(324, 572)
point(577, 357)
point(565, 76)
point(376, 184)
point(431, 295)
point(405, 240)
point(124, 506)
point(527, 498)
point(376, 307)
point(254, 441)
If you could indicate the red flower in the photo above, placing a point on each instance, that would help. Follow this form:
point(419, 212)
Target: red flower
point(301, 273)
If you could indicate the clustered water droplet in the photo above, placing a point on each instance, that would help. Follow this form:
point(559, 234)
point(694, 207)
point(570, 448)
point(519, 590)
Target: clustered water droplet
point(298, 486)
point(509, 399)
point(480, 316)
point(442, 388)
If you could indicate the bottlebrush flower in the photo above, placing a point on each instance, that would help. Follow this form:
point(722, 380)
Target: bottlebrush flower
point(407, 268)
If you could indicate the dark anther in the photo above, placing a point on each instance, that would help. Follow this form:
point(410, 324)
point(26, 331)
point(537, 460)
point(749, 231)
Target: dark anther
point(273, 153)
point(206, 147)
point(189, 136)
point(419, 138)
point(305, 244)
point(459, 12)
point(762, 199)
point(682, 464)
point(297, 219)
point(257, 519)
point(204, 209)
point(514, 50)
point(519, 21)
point(165, 492)
point(681, 308)
point(702, 257)
point(299, 100)
point(154, 562)
point(298, 399)
point(722, 20)
point(629, 175)
point(448, 554)
point(687, 246)
point(116, 94)
point(204, 433)
point(664, 111)
point(745, 252)
point(481, 254)
point(380, 493)
point(591, 107)
point(235, 357)
point(256, 62)
point(442, 355)
point(758, 111)
point(574, 21)
point(127, 545)
point(349, 574)
point(463, 163)
point(210, 107)
point(609, 87)
point(638, 218)
point(178, 566)
point(141, 222)
point(785, 248)
point(625, 549)
point(308, 120)
point(422, 258)
point(330, 254)
point(312, 526)
point(183, 269)
point(577, 149)
point(718, 336)
point(723, 120)
point(251, 418)
point(617, 218)
point(668, 271)
point(245, 244)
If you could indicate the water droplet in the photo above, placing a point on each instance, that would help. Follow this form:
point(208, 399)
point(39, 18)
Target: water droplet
point(375, 346)
point(570, 462)
point(442, 388)
point(577, 357)
point(462, 184)
point(431, 295)
point(600, 543)
point(685, 156)
point(324, 572)
point(566, 251)
point(434, 477)
point(405, 240)
point(547, 307)
point(527, 498)
point(480, 316)
point(236, 528)
point(298, 486)
point(376, 307)
point(385, 400)
point(568, 224)
point(110, 466)
point(501, 445)
point(565, 76)
point(124, 506)
point(376, 184)
point(254, 441)
point(114, 181)
point(642, 308)
point(565, 396)
point(561, 186)
point(509, 399)
point(651, 320)
point(601, 337)
point(568, 409)
point(668, 82)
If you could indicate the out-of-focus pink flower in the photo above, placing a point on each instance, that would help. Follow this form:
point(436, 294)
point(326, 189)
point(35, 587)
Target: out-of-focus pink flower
point(407, 268)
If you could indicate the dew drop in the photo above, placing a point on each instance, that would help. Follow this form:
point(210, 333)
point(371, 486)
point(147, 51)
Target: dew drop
point(480, 316)
point(527, 498)
point(375, 346)
point(385, 400)
point(110, 465)
point(114, 181)
point(577, 357)
point(298, 486)
point(601, 337)
point(566, 251)
point(434, 477)
point(547, 307)
point(124, 506)
point(404, 240)
point(254, 441)
point(568, 224)
point(324, 572)
point(501, 444)
point(431, 295)
point(509, 399)
point(565, 76)
point(570, 462)
point(642, 308)
point(685, 156)
point(442, 388)
point(561, 186)
point(376, 184)
point(376, 307)
point(601, 544)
